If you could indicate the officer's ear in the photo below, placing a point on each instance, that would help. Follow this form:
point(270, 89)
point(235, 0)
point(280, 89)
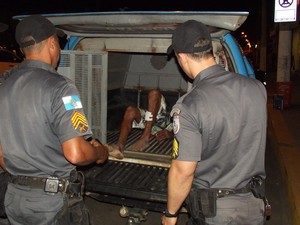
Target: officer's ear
point(53, 42)
point(182, 57)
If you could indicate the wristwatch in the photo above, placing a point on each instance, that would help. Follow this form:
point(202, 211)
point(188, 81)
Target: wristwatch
point(169, 215)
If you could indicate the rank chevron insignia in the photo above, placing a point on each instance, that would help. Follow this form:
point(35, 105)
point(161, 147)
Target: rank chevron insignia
point(79, 122)
point(175, 148)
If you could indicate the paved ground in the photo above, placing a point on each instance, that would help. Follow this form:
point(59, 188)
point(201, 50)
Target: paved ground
point(291, 155)
point(292, 113)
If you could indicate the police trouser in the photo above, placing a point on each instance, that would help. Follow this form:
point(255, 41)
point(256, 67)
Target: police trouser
point(25, 205)
point(74, 212)
point(241, 208)
point(51, 201)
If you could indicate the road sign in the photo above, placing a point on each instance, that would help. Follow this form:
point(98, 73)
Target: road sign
point(285, 10)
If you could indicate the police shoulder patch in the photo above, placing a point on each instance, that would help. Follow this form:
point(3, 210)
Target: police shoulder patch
point(176, 122)
point(72, 102)
point(79, 122)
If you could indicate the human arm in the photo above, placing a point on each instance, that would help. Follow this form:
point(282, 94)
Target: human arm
point(71, 126)
point(163, 134)
point(1, 159)
point(80, 152)
point(180, 179)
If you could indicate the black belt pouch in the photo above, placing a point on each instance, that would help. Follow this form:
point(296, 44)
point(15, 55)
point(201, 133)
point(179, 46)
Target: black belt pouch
point(202, 203)
point(208, 200)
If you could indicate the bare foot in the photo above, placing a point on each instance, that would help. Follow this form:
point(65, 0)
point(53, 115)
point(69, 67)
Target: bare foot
point(115, 152)
point(139, 146)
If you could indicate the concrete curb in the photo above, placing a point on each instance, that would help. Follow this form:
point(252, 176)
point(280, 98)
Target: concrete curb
point(288, 154)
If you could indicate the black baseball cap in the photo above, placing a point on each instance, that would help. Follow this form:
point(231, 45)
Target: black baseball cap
point(33, 29)
point(186, 35)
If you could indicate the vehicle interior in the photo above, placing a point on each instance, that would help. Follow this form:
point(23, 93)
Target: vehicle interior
point(118, 79)
point(114, 61)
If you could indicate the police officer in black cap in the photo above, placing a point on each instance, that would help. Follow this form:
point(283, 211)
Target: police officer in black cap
point(220, 135)
point(44, 134)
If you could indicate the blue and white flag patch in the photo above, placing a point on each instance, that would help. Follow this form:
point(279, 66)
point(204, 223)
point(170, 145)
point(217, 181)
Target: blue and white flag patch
point(72, 102)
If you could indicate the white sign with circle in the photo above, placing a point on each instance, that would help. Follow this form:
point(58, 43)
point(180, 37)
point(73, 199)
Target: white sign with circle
point(285, 10)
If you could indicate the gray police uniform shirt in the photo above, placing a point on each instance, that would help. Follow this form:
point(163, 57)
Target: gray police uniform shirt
point(40, 110)
point(221, 124)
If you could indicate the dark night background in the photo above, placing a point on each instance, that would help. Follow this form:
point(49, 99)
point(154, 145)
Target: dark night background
point(11, 8)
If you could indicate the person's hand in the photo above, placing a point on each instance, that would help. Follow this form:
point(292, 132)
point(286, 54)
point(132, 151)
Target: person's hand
point(163, 134)
point(103, 155)
point(168, 221)
point(95, 142)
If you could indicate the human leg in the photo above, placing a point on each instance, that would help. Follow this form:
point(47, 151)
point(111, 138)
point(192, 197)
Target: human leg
point(131, 114)
point(154, 101)
point(25, 205)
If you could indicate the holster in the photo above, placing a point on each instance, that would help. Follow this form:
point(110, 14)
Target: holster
point(76, 184)
point(257, 187)
point(74, 212)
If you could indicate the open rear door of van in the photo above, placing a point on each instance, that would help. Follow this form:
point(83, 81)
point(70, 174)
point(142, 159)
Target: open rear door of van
point(140, 179)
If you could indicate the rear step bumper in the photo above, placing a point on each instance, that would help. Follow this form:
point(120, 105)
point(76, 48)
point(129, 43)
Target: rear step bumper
point(139, 180)
point(128, 184)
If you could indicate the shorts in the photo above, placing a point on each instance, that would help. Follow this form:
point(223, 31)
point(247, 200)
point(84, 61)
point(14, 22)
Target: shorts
point(162, 121)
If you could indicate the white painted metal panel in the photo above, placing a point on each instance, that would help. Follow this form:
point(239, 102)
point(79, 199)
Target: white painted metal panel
point(140, 22)
point(89, 72)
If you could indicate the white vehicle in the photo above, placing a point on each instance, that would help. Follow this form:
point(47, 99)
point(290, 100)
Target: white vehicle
point(114, 58)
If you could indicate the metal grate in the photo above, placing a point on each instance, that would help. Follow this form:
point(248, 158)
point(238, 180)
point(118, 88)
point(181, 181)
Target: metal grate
point(89, 72)
point(142, 183)
point(155, 147)
point(128, 180)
